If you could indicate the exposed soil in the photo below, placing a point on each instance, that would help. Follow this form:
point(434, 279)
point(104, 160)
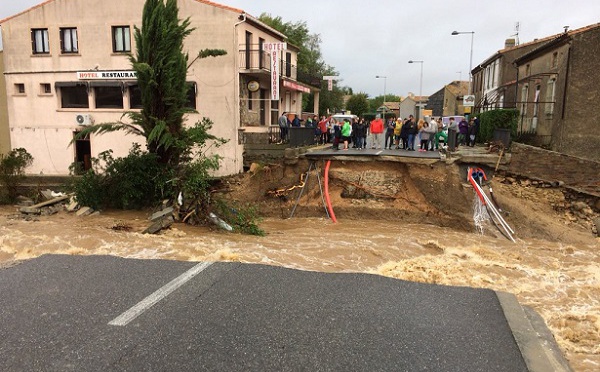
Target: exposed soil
point(434, 194)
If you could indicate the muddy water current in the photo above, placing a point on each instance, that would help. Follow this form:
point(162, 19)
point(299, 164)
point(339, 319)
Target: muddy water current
point(561, 282)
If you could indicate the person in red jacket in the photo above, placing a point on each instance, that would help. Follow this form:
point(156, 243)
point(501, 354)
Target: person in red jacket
point(324, 131)
point(376, 133)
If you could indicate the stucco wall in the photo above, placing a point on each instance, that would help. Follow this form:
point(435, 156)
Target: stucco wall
point(4, 129)
point(39, 124)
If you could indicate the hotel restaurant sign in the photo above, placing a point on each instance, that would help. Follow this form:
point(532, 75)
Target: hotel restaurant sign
point(106, 75)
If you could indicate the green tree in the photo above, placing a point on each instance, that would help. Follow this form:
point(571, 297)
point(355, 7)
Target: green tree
point(377, 102)
point(12, 172)
point(358, 104)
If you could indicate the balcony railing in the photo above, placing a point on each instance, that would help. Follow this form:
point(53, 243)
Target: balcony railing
point(256, 60)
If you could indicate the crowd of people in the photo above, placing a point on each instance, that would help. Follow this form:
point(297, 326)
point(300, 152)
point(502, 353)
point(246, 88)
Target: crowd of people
point(427, 134)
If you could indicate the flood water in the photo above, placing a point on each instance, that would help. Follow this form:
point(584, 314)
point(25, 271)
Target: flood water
point(561, 282)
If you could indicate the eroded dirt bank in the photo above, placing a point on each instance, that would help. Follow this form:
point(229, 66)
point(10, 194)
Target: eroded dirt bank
point(413, 222)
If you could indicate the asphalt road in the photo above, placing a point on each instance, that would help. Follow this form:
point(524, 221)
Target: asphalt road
point(55, 315)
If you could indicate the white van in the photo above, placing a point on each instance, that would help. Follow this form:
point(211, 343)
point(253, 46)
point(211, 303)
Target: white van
point(339, 118)
point(446, 120)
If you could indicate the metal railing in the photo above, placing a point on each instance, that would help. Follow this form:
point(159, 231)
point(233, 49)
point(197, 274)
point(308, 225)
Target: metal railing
point(259, 60)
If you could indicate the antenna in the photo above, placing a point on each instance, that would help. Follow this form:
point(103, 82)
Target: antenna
point(566, 28)
point(516, 34)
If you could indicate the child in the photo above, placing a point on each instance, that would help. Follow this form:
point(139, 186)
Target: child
point(424, 134)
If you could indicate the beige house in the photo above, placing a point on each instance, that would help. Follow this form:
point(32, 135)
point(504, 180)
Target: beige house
point(4, 130)
point(448, 101)
point(66, 66)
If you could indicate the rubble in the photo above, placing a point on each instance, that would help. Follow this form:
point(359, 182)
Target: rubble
point(161, 220)
point(37, 208)
point(84, 211)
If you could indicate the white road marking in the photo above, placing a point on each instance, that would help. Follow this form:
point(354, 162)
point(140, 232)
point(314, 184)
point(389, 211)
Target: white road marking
point(161, 293)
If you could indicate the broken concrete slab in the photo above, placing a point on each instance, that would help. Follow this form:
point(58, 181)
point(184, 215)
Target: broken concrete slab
point(50, 210)
point(158, 225)
point(161, 214)
point(73, 206)
point(47, 194)
point(36, 209)
point(84, 211)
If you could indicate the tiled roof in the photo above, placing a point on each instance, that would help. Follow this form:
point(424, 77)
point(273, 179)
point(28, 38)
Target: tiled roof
point(211, 3)
point(220, 6)
point(26, 10)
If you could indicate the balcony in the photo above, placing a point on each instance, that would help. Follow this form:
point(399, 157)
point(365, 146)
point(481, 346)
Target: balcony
point(256, 61)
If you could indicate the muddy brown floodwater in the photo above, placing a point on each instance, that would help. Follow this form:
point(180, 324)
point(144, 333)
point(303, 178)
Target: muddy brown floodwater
point(560, 281)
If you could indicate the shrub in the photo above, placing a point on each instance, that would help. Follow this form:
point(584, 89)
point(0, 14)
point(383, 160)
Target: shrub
point(243, 218)
point(132, 182)
point(12, 172)
point(502, 118)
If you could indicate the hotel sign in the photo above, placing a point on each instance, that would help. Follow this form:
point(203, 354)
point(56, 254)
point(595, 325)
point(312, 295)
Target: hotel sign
point(106, 75)
point(273, 49)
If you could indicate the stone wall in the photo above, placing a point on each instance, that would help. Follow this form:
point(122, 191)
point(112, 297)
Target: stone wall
point(537, 163)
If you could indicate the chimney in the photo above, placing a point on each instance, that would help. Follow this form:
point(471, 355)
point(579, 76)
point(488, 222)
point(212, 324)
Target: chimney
point(509, 43)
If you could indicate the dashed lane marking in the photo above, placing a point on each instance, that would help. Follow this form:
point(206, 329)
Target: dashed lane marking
point(148, 302)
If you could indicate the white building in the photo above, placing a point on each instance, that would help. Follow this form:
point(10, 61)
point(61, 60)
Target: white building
point(66, 65)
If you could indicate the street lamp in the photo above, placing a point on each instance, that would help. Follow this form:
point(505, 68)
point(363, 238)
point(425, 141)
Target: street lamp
point(420, 88)
point(384, 83)
point(471, 58)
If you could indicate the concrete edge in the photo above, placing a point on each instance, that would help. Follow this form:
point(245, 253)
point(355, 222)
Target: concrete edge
point(537, 344)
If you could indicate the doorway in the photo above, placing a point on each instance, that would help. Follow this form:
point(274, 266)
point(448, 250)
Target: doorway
point(263, 107)
point(83, 154)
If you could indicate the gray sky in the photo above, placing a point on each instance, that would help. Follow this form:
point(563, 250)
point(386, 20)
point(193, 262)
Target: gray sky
point(362, 39)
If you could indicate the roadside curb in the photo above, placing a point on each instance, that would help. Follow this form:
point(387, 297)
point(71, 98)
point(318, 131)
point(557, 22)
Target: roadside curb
point(537, 344)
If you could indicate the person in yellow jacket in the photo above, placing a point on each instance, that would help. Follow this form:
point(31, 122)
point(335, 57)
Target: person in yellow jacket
point(397, 131)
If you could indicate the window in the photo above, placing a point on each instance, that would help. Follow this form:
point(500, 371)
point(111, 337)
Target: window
point(74, 96)
point(19, 88)
point(248, 49)
point(524, 97)
point(45, 88)
point(550, 96)
point(261, 62)
point(39, 41)
point(121, 39)
point(527, 70)
point(554, 59)
point(110, 97)
point(191, 103)
point(536, 100)
point(68, 40)
point(135, 97)
point(288, 64)
point(249, 101)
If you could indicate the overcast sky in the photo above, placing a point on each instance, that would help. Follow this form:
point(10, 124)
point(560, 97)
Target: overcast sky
point(363, 39)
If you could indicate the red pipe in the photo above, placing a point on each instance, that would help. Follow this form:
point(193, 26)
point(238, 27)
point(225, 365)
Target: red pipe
point(327, 200)
point(474, 183)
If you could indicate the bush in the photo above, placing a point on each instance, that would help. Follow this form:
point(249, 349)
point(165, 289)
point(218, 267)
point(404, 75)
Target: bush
point(502, 118)
point(243, 218)
point(133, 182)
point(12, 172)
